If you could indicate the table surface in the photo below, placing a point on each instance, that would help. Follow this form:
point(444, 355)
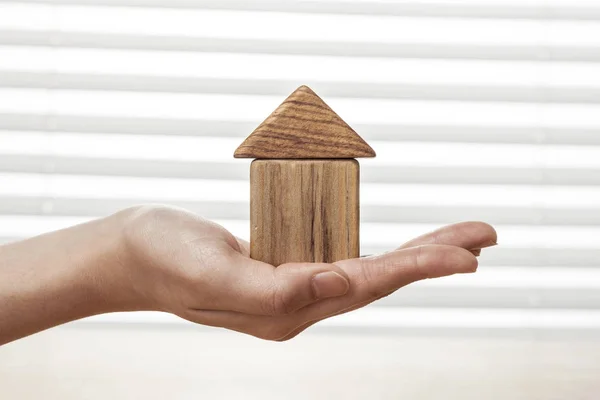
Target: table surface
point(124, 361)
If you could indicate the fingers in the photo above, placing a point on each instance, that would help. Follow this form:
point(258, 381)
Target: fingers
point(254, 287)
point(472, 236)
point(468, 235)
point(429, 261)
point(370, 279)
point(374, 276)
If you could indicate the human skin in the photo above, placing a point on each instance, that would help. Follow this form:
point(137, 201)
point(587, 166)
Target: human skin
point(156, 258)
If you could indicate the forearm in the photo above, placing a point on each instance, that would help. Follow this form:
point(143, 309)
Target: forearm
point(60, 277)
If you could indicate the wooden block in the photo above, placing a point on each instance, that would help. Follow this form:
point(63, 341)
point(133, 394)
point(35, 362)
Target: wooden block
point(302, 127)
point(304, 204)
point(304, 210)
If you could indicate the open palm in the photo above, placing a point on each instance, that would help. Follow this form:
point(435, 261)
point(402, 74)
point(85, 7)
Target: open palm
point(198, 270)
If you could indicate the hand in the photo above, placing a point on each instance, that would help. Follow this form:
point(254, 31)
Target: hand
point(180, 263)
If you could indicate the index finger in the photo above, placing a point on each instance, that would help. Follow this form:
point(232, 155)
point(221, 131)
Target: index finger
point(471, 235)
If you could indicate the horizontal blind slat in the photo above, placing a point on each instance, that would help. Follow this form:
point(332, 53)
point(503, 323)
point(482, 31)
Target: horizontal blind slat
point(372, 194)
point(239, 171)
point(471, 9)
point(28, 205)
point(237, 107)
point(485, 297)
point(290, 26)
point(274, 68)
point(17, 79)
point(240, 129)
point(541, 324)
point(300, 47)
point(215, 149)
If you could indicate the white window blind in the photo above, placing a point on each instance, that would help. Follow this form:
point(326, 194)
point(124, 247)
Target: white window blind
point(478, 110)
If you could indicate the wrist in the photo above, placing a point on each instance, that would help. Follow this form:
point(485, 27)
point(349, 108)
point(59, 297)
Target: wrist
point(118, 279)
point(98, 260)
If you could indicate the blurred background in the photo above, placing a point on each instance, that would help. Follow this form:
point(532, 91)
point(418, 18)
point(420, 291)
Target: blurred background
point(478, 110)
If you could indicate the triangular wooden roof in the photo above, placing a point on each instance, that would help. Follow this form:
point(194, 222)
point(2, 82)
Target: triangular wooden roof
point(303, 126)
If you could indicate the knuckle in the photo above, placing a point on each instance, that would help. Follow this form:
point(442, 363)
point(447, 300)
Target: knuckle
point(421, 262)
point(433, 262)
point(370, 273)
point(365, 270)
point(277, 303)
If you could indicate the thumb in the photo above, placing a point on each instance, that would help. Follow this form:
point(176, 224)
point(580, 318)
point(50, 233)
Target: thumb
point(259, 288)
point(304, 283)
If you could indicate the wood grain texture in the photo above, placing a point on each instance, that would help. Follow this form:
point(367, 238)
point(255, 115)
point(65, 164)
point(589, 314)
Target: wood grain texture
point(304, 127)
point(304, 210)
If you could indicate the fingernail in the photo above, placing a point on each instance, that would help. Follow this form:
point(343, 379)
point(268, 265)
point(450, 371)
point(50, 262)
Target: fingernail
point(329, 284)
